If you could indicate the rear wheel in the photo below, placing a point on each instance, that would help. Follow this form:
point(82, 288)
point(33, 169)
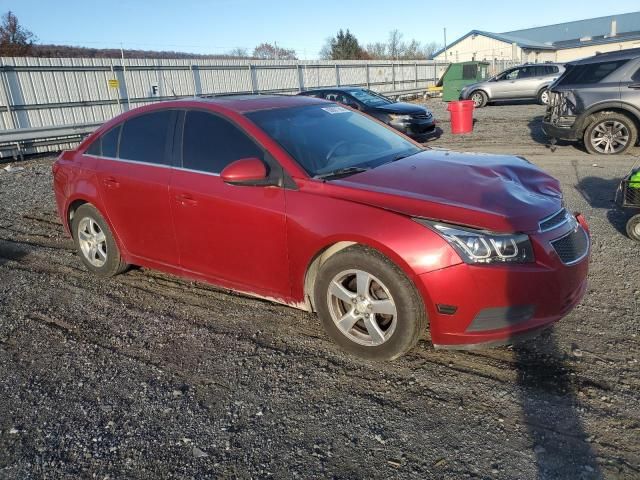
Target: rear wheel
point(633, 228)
point(367, 305)
point(610, 133)
point(543, 97)
point(479, 98)
point(95, 243)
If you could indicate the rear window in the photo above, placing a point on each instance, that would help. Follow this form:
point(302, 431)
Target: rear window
point(144, 138)
point(106, 145)
point(590, 73)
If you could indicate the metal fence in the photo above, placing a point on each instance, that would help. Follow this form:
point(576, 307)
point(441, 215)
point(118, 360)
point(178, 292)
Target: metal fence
point(45, 101)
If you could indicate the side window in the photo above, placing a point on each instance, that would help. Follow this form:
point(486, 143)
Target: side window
point(636, 76)
point(144, 138)
point(525, 72)
point(512, 75)
point(106, 145)
point(541, 70)
point(210, 143)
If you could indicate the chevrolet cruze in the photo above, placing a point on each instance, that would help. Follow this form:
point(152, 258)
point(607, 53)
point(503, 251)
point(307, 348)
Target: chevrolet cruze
point(308, 203)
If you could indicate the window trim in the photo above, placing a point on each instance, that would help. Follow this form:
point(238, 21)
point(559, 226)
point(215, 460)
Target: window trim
point(168, 147)
point(277, 174)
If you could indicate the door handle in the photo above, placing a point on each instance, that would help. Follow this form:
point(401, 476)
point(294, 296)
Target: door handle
point(635, 86)
point(111, 182)
point(186, 200)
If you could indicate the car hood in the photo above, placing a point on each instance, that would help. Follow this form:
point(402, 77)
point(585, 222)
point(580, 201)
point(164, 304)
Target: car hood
point(493, 192)
point(402, 108)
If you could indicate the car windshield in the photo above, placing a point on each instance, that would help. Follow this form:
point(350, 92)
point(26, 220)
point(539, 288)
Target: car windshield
point(329, 138)
point(369, 98)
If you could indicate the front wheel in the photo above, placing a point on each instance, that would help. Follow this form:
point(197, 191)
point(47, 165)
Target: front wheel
point(479, 98)
point(633, 228)
point(367, 305)
point(610, 133)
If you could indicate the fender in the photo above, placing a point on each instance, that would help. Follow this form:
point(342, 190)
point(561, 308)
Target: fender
point(581, 122)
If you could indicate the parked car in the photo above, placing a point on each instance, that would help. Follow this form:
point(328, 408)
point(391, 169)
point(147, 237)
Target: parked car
point(526, 82)
point(411, 119)
point(304, 202)
point(597, 101)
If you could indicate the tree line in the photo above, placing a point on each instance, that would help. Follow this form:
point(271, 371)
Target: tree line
point(18, 41)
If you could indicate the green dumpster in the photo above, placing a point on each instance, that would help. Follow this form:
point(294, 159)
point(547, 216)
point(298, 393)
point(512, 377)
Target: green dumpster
point(459, 75)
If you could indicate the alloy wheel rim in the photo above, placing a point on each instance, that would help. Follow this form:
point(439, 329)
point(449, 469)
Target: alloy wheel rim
point(362, 307)
point(477, 99)
point(610, 136)
point(636, 230)
point(93, 242)
point(544, 97)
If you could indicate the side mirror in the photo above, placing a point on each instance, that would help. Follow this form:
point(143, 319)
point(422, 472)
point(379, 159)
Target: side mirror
point(246, 171)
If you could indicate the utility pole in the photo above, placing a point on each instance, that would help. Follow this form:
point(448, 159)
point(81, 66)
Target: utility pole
point(445, 44)
point(124, 76)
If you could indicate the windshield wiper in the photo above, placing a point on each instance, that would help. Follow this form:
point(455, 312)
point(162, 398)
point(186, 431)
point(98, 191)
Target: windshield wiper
point(341, 172)
point(405, 155)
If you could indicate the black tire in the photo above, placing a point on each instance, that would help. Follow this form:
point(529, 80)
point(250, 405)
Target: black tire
point(606, 121)
point(479, 98)
point(403, 329)
point(633, 228)
point(113, 264)
point(542, 94)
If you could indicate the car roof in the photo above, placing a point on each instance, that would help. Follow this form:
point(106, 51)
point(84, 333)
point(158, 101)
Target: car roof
point(628, 54)
point(251, 103)
point(335, 89)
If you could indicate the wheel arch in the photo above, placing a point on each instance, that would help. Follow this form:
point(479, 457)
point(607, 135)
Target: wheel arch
point(613, 107)
point(335, 246)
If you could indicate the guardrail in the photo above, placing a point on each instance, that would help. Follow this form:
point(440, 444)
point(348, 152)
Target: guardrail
point(48, 104)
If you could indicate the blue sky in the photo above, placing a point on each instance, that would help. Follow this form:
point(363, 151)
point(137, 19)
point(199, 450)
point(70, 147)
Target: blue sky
point(216, 26)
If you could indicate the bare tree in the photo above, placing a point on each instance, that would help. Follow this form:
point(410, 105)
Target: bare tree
point(377, 50)
point(428, 49)
point(238, 52)
point(395, 45)
point(15, 40)
point(266, 51)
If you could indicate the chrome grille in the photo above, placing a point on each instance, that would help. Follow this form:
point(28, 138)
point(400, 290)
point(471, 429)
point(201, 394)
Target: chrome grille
point(422, 115)
point(573, 247)
point(554, 221)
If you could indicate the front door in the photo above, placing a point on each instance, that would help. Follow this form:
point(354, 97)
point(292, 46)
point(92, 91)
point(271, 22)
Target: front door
point(233, 234)
point(133, 177)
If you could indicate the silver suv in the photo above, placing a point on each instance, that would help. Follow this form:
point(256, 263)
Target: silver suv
point(529, 81)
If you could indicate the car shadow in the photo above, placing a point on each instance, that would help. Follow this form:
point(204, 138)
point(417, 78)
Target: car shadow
point(431, 137)
point(550, 411)
point(600, 193)
point(537, 135)
point(9, 251)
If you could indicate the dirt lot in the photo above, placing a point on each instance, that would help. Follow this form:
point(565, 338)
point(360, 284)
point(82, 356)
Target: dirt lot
point(149, 376)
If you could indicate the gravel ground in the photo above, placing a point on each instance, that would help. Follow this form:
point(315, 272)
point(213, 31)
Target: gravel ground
point(149, 376)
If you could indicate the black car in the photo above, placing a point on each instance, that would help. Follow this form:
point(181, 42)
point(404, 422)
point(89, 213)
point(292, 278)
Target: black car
point(410, 119)
point(597, 101)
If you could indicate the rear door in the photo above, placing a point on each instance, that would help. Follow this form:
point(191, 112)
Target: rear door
point(231, 233)
point(133, 174)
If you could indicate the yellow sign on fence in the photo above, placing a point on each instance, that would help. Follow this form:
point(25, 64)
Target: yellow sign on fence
point(113, 83)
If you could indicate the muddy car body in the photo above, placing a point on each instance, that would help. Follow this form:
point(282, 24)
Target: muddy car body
point(597, 101)
point(307, 203)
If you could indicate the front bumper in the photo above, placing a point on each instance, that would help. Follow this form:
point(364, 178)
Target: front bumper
point(415, 127)
point(498, 304)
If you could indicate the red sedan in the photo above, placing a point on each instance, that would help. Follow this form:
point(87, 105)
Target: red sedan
point(314, 205)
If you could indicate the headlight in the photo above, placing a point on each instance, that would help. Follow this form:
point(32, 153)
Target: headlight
point(394, 116)
point(477, 246)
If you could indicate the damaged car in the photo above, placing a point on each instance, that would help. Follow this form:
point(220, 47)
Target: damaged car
point(597, 101)
point(302, 201)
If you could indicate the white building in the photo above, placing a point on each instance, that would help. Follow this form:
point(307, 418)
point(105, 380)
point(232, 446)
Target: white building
point(556, 43)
